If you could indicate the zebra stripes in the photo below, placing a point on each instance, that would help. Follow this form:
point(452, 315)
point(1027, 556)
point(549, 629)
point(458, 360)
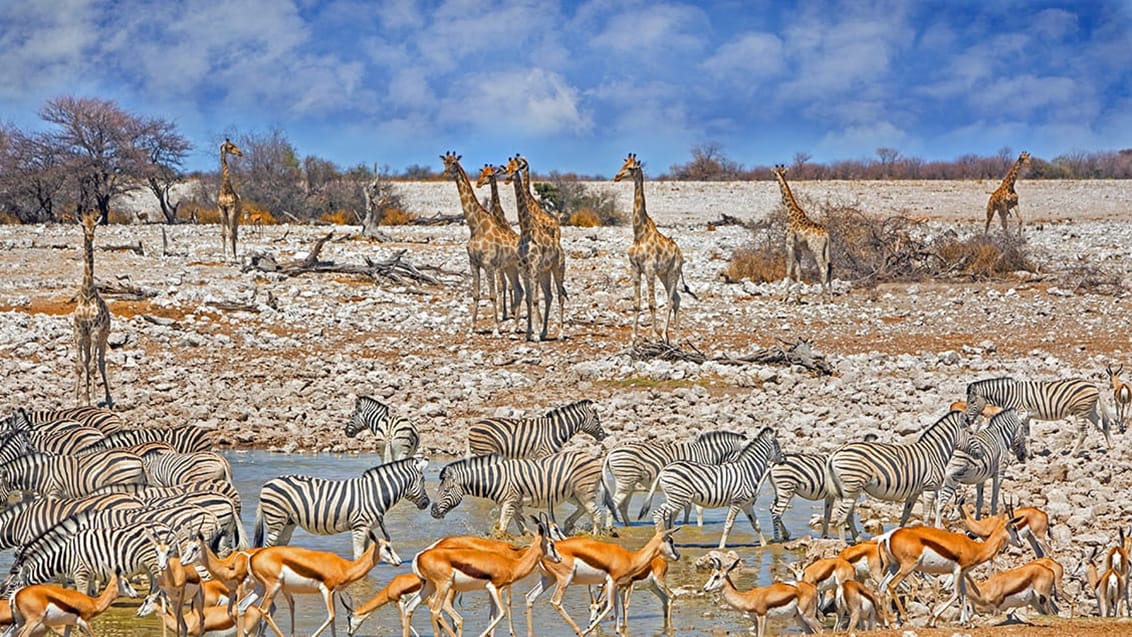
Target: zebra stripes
point(100, 418)
point(185, 439)
point(636, 465)
point(802, 475)
point(984, 458)
point(734, 485)
point(326, 507)
point(70, 476)
point(511, 483)
point(397, 438)
point(894, 471)
point(1045, 400)
point(176, 516)
point(534, 437)
point(21, 523)
point(172, 469)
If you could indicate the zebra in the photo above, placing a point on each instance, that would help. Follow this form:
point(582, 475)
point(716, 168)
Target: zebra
point(802, 475)
point(733, 484)
point(100, 418)
point(534, 437)
point(70, 476)
point(25, 521)
point(984, 458)
point(218, 496)
point(172, 469)
point(397, 438)
point(185, 439)
point(175, 516)
point(326, 507)
point(1045, 400)
point(889, 471)
point(511, 482)
point(14, 443)
point(634, 465)
point(90, 554)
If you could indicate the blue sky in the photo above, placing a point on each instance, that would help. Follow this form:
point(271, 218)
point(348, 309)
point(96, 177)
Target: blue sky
point(575, 86)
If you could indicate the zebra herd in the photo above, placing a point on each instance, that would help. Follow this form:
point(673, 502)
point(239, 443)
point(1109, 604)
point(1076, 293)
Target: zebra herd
point(102, 491)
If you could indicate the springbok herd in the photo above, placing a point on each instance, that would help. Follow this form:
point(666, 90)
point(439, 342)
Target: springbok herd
point(104, 502)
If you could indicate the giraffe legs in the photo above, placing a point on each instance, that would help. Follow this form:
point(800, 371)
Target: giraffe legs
point(560, 288)
point(475, 267)
point(672, 290)
point(636, 304)
point(103, 337)
point(82, 363)
point(650, 278)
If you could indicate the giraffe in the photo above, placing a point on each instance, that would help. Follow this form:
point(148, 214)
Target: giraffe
point(492, 247)
point(91, 320)
point(803, 233)
point(652, 256)
point(228, 200)
point(554, 231)
point(540, 251)
point(511, 276)
point(1003, 199)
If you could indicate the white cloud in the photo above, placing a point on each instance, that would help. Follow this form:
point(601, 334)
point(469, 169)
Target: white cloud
point(749, 56)
point(532, 101)
point(854, 140)
point(645, 31)
point(43, 45)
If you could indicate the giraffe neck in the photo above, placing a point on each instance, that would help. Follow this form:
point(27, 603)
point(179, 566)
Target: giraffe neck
point(641, 221)
point(797, 216)
point(474, 213)
point(1012, 176)
point(521, 203)
point(88, 290)
point(225, 176)
point(496, 205)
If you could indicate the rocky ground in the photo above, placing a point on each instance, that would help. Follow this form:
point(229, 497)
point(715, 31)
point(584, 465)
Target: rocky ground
point(283, 374)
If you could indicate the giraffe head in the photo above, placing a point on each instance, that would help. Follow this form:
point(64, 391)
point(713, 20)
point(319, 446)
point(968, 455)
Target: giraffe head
point(780, 170)
point(228, 148)
point(451, 162)
point(632, 165)
point(487, 173)
point(1024, 158)
point(514, 165)
point(89, 221)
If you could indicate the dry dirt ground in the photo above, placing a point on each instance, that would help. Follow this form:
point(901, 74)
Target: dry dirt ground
point(283, 374)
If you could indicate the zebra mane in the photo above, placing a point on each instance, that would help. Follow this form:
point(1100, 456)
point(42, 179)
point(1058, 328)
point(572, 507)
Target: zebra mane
point(718, 435)
point(978, 384)
point(370, 400)
point(578, 404)
point(388, 466)
point(473, 462)
point(942, 423)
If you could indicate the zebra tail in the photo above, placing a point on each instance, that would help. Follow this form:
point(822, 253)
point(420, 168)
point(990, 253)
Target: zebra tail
point(607, 500)
point(687, 289)
point(833, 481)
point(258, 542)
point(648, 498)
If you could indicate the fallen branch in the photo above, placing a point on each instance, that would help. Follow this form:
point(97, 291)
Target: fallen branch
point(395, 269)
point(234, 306)
point(125, 291)
point(796, 353)
point(438, 220)
point(127, 247)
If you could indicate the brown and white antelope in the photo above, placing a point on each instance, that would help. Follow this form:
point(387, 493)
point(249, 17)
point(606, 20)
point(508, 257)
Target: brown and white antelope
point(232, 571)
point(178, 582)
point(799, 600)
point(861, 605)
point(292, 569)
point(1031, 584)
point(931, 550)
point(865, 560)
point(1033, 526)
point(398, 590)
point(1117, 560)
point(1121, 395)
point(1108, 587)
point(215, 622)
point(656, 578)
point(40, 607)
point(447, 571)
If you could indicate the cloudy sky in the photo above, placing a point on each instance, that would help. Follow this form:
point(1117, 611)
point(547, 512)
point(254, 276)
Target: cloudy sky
point(575, 86)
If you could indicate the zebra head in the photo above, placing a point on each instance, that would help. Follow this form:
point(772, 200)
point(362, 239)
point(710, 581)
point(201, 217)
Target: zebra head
point(590, 424)
point(449, 494)
point(369, 413)
point(719, 574)
point(416, 489)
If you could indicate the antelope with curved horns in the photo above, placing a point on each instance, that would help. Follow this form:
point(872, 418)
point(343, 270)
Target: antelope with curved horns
point(292, 569)
point(1108, 587)
point(1032, 584)
point(449, 571)
point(591, 562)
point(232, 571)
point(398, 590)
point(825, 574)
point(1121, 395)
point(40, 607)
point(176, 581)
point(216, 620)
point(655, 577)
point(931, 550)
point(1034, 526)
point(1117, 559)
point(798, 600)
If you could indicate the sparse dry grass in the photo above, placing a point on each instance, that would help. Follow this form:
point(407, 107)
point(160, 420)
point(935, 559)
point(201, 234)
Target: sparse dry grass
point(397, 217)
point(340, 217)
point(585, 218)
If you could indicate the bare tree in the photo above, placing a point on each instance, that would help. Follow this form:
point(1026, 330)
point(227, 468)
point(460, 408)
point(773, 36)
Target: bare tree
point(33, 176)
point(708, 164)
point(165, 151)
point(380, 195)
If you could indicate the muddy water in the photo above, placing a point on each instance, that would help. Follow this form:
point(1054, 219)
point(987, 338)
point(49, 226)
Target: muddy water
point(693, 612)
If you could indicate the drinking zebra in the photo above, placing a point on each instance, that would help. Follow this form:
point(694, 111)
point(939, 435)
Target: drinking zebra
point(984, 458)
point(326, 507)
point(185, 439)
point(734, 484)
point(534, 437)
point(636, 465)
point(70, 476)
point(511, 483)
point(890, 471)
point(23, 522)
point(1045, 400)
point(397, 438)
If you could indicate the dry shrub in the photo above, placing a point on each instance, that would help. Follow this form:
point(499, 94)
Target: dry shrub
point(8, 218)
point(117, 216)
point(339, 217)
point(206, 215)
point(397, 217)
point(758, 265)
point(981, 256)
point(585, 218)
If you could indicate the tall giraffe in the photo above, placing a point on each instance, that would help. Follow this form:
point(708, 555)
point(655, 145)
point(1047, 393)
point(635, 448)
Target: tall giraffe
point(653, 256)
point(540, 252)
point(511, 276)
point(91, 320)
point(550, 226)
point(492, 247)
point(803, 233)
point(228, 201)
point(1003, 199)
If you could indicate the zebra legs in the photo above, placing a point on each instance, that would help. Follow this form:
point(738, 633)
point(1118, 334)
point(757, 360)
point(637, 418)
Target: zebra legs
point(749, 509)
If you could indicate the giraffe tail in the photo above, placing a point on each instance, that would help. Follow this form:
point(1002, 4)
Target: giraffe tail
point(687, 289)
